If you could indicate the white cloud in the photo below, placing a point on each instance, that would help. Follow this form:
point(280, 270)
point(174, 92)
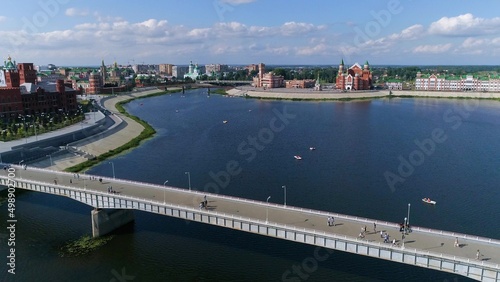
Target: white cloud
point(3, 18)
point(410, 33)
point(433, 49)
point(465, 25)
point(74, 12)
point(318, 49)
point(473, 43)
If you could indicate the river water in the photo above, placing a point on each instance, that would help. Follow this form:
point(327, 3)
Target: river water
point(372, 159)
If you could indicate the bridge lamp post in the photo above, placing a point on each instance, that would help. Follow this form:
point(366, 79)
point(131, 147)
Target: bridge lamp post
point(408, 216)
point(404, 231)
point(113, 167)
point(267, 209)
point(164, 184)
point(189, 179)
point(51, 162)
point(284, 188)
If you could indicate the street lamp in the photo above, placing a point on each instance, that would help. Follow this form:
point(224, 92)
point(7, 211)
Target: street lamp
point(408, 216)
point(50, 156)
point(284, 187)
point(164, 190)
point(189, 179)
point(267, 209)
point(113, 167)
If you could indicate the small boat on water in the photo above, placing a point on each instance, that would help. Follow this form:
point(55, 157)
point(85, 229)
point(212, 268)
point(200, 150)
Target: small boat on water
point(297, 157)
point(224, 121)
point(428, 201)
point(312, 148)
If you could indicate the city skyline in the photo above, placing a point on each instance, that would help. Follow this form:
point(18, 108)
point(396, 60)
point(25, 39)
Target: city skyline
point(389, 32)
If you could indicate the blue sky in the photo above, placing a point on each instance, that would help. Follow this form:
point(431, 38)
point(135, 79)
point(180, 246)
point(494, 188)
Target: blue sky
point(402, 32)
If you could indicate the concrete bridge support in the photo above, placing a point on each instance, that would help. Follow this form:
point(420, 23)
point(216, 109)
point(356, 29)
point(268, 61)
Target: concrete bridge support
point(105, 221)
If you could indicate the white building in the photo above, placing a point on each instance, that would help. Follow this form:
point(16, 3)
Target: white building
point(193, 72)
point(453, 83)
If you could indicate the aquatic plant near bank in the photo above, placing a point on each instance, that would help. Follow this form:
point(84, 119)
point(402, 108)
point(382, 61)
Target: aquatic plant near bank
point(83, 246)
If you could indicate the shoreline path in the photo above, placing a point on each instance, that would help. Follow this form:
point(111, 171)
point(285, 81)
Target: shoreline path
point(125, 130)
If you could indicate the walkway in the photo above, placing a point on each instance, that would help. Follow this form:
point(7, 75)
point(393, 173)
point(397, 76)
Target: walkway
point(438, 243)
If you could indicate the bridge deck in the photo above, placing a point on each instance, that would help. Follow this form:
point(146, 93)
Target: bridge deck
point(421, 239)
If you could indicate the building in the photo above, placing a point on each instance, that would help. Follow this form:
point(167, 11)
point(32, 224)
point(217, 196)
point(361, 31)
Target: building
point(22, 93)
point(179, 71)
point(394, 84)
point(193, 71)
point(251, 68)
point(213, 69)
point(268, 80)
point(146, 69)
point(94, 83)
point(317, 85)
point(354, 78)
point(115, 75)
point(104, 72)
point(433, 82)
point(302, 83)
point(165, 69)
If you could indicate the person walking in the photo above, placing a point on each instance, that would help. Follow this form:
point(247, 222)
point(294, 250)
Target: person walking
point(456, 242)
point(374, 227)
point(478, 254)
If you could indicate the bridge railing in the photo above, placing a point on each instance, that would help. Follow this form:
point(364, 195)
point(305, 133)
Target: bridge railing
point(297, 209)
point(305, 231)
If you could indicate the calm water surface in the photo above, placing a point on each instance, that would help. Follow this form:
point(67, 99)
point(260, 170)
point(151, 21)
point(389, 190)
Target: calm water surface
point(357, 145)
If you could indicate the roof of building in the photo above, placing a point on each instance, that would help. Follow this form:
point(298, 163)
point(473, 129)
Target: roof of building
point(47, 86)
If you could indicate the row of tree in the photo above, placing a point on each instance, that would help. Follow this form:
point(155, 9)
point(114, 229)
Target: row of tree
point(23, 126)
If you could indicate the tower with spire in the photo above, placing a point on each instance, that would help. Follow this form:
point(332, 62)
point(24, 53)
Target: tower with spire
point(103, 72)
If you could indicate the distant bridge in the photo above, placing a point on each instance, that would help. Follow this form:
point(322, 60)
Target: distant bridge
point(226, 82)
point(423, 247)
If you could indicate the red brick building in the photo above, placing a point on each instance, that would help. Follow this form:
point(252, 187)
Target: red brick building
point(300, 83)
point(21, 93)
point(354, 78)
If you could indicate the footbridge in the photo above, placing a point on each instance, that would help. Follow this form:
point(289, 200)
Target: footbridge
point(423, 247)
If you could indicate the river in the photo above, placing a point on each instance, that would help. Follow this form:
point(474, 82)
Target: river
point(372, 158)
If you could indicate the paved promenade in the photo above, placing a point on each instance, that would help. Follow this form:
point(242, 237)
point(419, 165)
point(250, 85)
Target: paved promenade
point(124, 130)
point(310, 94)
point(421, 239)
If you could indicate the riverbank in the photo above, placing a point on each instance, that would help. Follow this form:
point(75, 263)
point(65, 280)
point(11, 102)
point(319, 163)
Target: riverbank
point(309, 94)
point(127, 133)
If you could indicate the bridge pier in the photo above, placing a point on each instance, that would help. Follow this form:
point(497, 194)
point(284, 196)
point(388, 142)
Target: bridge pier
point(106, 221)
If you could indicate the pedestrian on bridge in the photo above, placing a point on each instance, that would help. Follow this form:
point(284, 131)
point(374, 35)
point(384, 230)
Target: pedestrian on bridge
point(456, 242)
point(374, 227)
point(478, 254)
